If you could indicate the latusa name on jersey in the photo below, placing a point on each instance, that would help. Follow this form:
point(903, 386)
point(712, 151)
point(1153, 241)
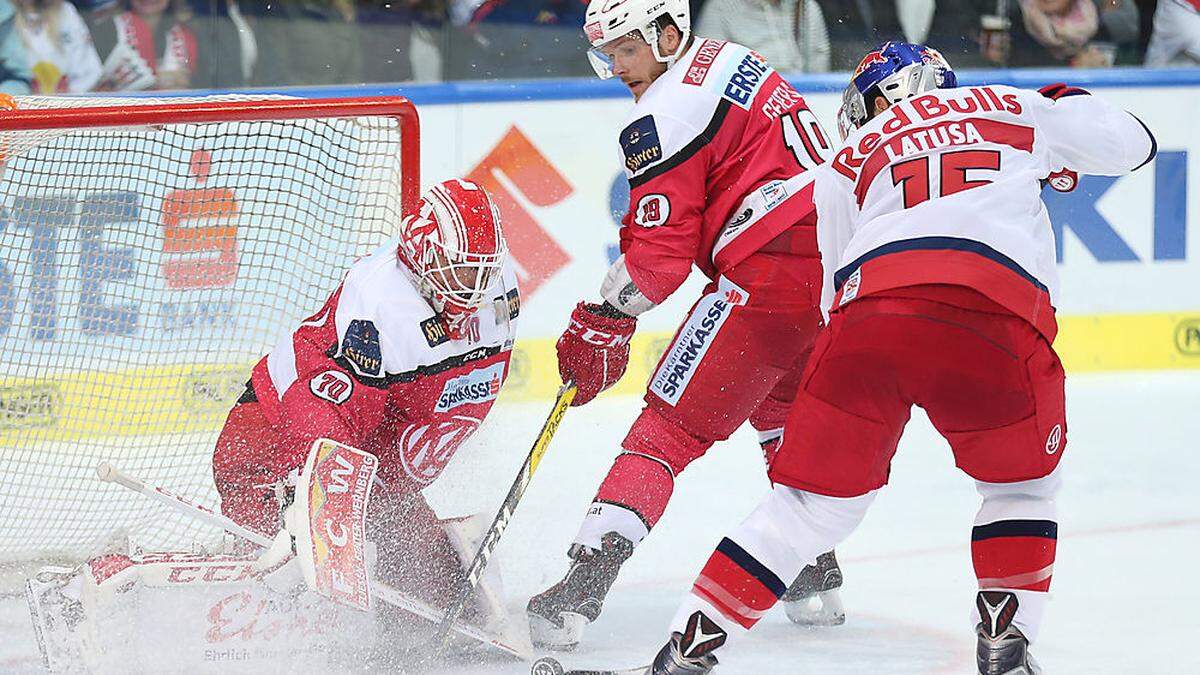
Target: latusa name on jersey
point(849, 160)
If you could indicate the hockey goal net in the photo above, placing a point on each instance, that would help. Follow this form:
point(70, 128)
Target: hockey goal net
point(150, 252)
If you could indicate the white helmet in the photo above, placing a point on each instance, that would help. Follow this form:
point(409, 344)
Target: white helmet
point(607, 20)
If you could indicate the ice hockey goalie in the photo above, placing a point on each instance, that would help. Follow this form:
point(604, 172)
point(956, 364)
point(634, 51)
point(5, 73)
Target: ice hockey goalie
point(401, 366)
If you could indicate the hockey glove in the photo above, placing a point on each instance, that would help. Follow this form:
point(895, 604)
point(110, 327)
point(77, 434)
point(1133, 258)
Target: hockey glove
point(594, 350)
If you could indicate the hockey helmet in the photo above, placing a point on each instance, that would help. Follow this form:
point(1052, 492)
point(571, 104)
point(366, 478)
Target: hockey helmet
point(608, 20)
point(454, 247)
point(895, 71)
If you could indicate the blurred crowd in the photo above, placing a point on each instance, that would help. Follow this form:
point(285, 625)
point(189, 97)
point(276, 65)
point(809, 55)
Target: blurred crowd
point(54, 46)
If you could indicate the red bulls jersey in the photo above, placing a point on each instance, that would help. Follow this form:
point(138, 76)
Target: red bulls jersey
point(375, 369)
point(716, 152)
point(944, 188)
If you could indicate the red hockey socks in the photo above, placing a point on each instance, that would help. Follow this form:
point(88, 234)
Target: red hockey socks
point(1014, 554)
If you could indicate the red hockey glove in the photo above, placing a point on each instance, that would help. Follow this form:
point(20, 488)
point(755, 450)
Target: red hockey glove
point(1060, 90)
point(594, 350)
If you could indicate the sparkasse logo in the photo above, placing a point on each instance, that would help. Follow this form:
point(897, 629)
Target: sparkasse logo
point(477, 386)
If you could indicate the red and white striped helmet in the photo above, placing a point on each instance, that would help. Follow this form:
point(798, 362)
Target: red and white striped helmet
point(454, 246)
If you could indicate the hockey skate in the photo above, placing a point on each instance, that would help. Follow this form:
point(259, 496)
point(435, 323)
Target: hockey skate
point(558, 615)
point(690, 652)
point(813, 598)
point(1001, 648)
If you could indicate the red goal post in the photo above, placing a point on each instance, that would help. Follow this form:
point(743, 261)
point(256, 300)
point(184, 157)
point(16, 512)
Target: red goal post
point(151, 250)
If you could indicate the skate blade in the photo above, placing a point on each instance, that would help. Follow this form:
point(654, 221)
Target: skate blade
point(823, 609)
point(545, 635)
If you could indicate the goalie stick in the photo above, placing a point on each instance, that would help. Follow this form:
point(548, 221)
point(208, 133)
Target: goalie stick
point(566, 394)
point(110, 474)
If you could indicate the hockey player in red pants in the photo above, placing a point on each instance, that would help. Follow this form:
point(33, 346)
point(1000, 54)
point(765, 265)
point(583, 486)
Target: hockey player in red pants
point(940, 272)
point(718, 151)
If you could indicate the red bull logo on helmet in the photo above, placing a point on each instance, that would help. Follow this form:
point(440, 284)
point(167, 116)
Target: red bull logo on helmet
point(869, 60)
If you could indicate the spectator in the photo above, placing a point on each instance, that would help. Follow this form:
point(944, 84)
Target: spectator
point(1176, 37)
point(1076, 33)
point(15, 76)
point(791, 34)
point(232, 47)
point(89, 6)
point(955, 30)
point(402, 40)
point(859, 26)
point(520, 38)
point(59, 45)
point(147, 45)
point(306, 42)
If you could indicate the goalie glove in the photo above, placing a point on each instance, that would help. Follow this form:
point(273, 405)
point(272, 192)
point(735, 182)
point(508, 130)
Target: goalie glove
point(594, 350)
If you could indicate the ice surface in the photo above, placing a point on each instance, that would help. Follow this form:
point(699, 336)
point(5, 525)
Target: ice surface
point(1124, 583)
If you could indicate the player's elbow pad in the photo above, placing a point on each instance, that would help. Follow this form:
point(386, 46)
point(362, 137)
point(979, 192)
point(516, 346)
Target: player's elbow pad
point(636, 290)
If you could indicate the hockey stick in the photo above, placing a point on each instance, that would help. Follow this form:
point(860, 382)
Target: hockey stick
point(550, 666)
point(566, 394)
point(110, 474)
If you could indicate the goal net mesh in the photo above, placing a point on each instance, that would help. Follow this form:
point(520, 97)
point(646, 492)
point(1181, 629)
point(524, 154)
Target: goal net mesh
point(143, 271)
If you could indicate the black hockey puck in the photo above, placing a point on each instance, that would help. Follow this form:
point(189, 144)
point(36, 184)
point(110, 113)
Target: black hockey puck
point(546, 666)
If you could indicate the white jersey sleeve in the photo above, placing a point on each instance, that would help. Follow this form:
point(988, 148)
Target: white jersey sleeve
point(836, 212)
point(1090, 135)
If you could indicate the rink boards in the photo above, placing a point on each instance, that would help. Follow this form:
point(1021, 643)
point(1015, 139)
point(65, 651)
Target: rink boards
point(1128, 250)
point(1129, 255)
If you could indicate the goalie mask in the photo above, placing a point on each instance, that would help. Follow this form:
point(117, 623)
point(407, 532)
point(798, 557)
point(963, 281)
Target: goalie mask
point(454, 247)
point(608, 20)
point(895, 71)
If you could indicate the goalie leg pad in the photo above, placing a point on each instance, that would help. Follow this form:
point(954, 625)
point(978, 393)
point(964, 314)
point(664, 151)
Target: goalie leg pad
point(119, 613)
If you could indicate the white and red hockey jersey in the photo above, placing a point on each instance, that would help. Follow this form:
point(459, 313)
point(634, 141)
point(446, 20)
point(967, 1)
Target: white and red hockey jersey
point(716, 152)
point(943, 188)
point(375, 369)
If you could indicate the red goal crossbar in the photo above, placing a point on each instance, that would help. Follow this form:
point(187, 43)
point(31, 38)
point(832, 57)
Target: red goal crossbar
point(209, 111)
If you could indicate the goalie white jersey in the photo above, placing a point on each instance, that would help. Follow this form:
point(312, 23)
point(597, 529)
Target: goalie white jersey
point(944, 188)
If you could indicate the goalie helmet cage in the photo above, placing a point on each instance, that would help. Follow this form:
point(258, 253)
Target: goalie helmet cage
point(151, 251)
